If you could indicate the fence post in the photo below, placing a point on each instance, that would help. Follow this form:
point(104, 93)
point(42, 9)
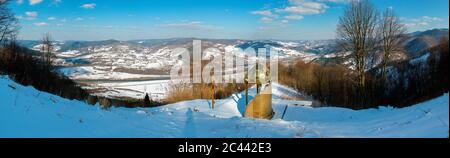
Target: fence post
point(285, 109)
point(246, 89)
point(213, 94)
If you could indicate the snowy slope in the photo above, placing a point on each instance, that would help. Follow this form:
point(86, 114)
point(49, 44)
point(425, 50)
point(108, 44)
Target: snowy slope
point(26, 112)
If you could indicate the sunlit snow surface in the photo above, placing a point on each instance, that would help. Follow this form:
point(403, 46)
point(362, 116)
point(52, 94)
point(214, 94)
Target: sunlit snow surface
point(26, 112)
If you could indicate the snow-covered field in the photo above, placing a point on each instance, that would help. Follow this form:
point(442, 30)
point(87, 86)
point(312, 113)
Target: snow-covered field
point(156, 89)
point(26, 112)
point(96, 73)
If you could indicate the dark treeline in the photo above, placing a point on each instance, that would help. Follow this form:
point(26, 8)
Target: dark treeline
point(405, 84)
point(420, 82)
point(24, 68)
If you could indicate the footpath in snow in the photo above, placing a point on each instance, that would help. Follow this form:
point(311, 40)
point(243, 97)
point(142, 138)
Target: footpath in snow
point(26, 112)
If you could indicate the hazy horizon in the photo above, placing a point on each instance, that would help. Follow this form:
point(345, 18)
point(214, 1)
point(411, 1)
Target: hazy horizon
point(205, 38)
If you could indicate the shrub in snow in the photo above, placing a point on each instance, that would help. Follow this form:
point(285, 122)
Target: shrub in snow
point(92, 100)
point(105, 103)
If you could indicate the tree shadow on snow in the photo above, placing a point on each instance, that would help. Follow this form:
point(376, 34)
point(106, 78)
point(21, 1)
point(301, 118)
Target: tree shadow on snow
point(189, 127)
point(240, 102)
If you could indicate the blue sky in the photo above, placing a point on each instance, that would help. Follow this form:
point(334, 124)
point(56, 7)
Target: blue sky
point(222, 19)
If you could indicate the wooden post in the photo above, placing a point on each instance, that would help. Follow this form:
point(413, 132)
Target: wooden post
point(213, 94)
point(246, 92)
point(246, 89)
point(284, 113)
point(258, 82)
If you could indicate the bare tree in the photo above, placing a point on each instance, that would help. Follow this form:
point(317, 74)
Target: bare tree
point(391, 32)
point(356, 32)
point(8, 22)
point(47, 48)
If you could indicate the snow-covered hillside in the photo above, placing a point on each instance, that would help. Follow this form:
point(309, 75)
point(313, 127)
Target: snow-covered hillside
point(26, 112)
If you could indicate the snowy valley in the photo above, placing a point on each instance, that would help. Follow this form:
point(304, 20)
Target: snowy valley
point(132, 68)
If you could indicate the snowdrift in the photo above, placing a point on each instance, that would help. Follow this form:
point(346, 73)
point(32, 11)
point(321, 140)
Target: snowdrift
point(28, 113)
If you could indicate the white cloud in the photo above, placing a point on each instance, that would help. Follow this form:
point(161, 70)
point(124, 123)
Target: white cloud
point(189, 25)
point(431, 19)
point(263, 12)
point(304, 7)
point(51, 18)
point(40, 24)
point(19, 2)
point(294, 17)
point(79, 19)
point(420, 24)
point(295, 10)
point(89, 6)
point(307, 3)
point(31, 14)
point(423, 24)
point(423, 21)
point(34, 2)
point(266, 20)
point(335, 1)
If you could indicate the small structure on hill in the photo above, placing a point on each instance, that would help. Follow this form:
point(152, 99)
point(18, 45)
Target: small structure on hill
point(261, 105)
